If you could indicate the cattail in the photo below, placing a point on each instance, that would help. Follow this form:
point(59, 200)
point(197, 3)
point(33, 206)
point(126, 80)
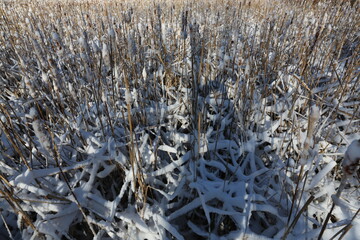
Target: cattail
point(83, 46)
point(350, 164)
point(40, 132)
point(111, 33)
point(314, 116)
point(106, 55)
point(39, 53)
point(131, 44)
point(352, 158)
point(104, 96)
point(30, 87)
point(128, 96)
point(95, 47)
point(71, 90)
point(45, 77)
point(184, 24)
point(58, 42)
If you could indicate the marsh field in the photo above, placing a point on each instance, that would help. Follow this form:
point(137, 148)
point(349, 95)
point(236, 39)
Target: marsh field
point(209, 119)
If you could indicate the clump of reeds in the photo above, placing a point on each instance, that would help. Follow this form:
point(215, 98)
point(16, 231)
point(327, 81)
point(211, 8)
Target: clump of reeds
point(167, 118)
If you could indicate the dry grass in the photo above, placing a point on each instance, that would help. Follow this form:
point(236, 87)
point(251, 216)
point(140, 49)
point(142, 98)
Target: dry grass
point(98, 75)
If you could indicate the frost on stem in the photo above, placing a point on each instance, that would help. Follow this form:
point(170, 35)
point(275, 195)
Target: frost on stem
point(352, 158)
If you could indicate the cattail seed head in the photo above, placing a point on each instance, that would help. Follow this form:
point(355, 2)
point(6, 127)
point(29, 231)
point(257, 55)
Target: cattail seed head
point(352, 158)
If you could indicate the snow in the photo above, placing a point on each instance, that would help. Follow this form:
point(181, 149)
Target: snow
point(167, 148)
point(320, 175)
point(233, 158)
point(162, 221)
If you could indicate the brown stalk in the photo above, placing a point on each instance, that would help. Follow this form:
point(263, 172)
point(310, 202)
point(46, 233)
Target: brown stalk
point(14, 201)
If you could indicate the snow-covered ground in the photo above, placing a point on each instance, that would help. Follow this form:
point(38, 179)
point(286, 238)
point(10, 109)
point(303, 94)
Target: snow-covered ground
point(169, 120)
